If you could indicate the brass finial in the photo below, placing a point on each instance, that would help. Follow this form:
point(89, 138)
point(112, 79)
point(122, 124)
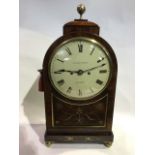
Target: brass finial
point(81, 9)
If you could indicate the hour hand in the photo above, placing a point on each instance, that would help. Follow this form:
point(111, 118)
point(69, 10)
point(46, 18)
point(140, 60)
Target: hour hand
point(62, 70)
point(59, 71)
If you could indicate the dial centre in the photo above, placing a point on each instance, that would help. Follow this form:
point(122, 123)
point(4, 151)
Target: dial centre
point(80, 72)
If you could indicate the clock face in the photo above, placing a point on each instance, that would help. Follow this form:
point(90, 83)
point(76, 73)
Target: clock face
point(79, 69)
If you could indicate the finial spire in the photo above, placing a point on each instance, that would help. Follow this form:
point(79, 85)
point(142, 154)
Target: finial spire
point(81, 9)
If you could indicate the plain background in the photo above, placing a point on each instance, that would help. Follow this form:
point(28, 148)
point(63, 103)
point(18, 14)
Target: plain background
point(40, 24)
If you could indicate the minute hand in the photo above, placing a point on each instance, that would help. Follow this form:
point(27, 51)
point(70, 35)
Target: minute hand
point(94, 68)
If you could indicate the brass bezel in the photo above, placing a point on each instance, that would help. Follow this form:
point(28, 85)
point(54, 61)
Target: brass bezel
point(94, 42)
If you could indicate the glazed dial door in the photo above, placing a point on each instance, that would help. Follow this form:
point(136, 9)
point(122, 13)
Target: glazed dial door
point(79, 68)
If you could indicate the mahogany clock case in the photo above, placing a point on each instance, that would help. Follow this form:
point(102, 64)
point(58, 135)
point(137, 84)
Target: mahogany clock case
point(99, 130)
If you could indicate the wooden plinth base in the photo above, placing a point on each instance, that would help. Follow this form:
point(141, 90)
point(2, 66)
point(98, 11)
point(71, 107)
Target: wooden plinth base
point(106, 138)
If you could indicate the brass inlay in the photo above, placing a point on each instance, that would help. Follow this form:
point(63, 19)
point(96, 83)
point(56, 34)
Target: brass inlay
point(88, 139)
point(69, 138)
point(53, 124)
point(52, 111)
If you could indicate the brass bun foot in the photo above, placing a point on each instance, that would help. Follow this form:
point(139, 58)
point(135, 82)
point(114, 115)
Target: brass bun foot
point(107, 144)
point(48, 143)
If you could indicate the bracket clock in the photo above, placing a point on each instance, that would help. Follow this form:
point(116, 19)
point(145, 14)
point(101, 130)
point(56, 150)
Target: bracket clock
point(78, 79)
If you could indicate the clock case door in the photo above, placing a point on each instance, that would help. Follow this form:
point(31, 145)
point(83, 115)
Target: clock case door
point(79, 121)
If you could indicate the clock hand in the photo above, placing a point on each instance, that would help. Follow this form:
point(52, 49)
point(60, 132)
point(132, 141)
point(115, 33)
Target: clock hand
point(94, 68)
point(59, 71)
point(63, 70)
point(80, 72)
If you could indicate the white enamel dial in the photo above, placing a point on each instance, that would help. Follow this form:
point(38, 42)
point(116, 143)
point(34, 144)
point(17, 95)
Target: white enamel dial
point(79, 68)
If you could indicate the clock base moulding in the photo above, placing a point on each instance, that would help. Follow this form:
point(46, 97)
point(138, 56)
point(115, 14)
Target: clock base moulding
point(102, 138)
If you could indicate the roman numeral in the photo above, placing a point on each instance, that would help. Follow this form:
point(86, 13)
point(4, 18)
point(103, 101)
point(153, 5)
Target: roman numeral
point(80, 46)
point(100, 59)
point(68, 51)
point(80, 92)
point(103, 71)
point(103, 64)
point(61, 82)
point(92, 51)
point(69, 90)
point(99, 82)
point(60, 60)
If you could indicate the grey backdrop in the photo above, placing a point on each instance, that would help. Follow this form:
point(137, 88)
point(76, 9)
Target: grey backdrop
point(48, 16)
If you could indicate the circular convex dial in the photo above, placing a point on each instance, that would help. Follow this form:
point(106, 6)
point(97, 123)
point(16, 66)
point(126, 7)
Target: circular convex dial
point(79, 69)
